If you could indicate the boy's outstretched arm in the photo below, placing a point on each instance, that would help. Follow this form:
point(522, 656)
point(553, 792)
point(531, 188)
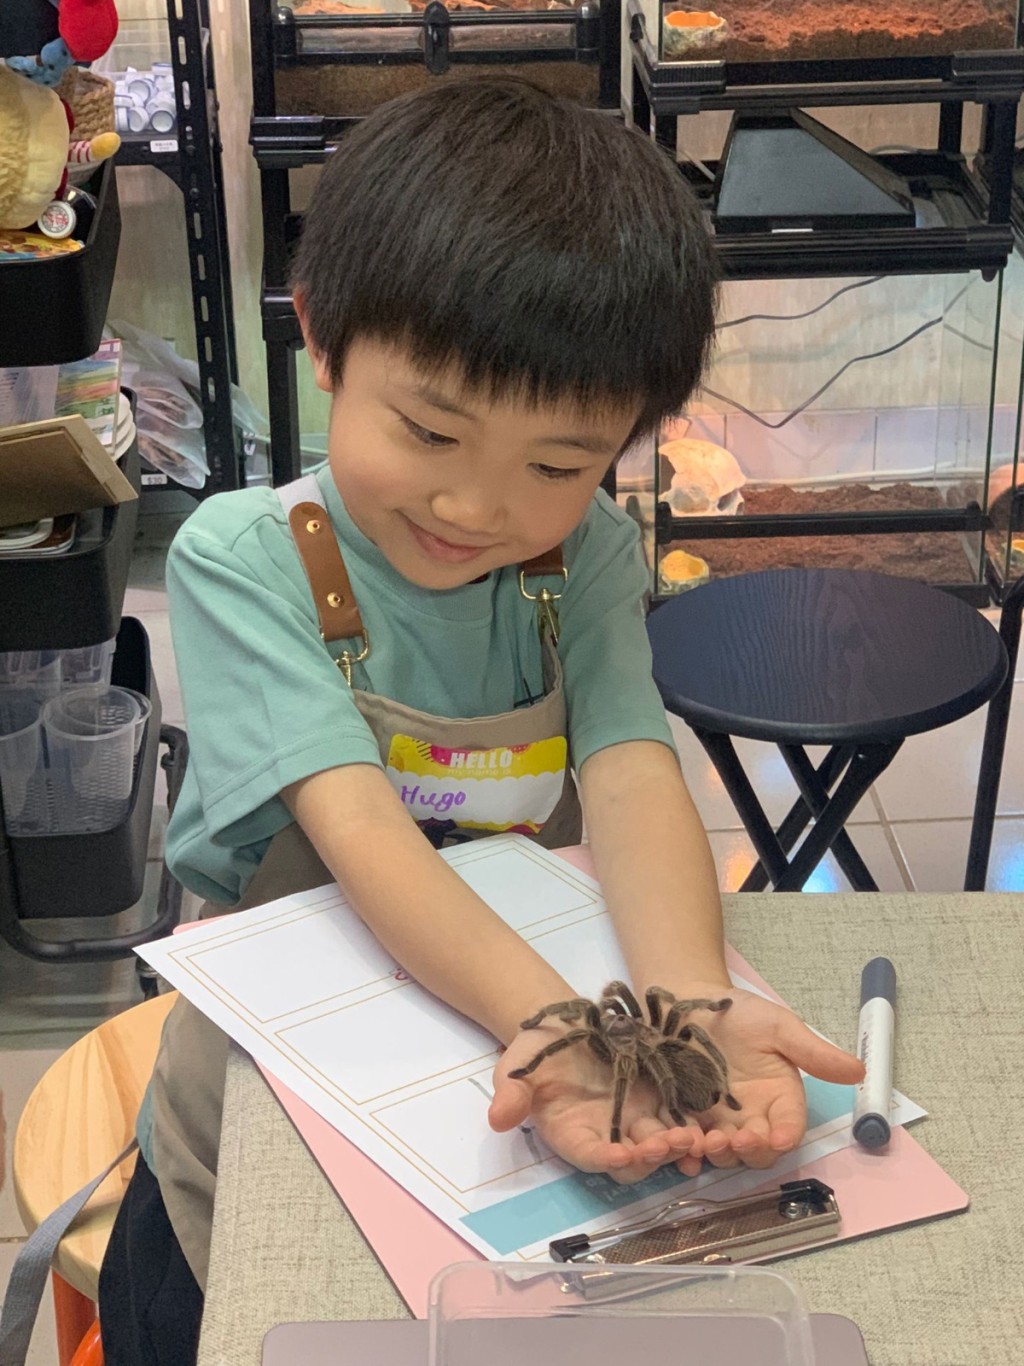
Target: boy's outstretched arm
point(454, 945)
point(655, 866)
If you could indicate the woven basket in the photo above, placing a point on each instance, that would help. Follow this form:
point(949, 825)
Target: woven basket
point(91, 100)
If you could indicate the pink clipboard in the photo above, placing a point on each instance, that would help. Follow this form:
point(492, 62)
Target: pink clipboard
point(876, 1191)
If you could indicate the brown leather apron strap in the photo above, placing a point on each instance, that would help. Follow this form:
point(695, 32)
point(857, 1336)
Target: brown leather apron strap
point(328, 578)
point(551, 562)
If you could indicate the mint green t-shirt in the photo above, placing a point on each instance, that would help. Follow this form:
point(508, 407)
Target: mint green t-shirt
point(265, 705)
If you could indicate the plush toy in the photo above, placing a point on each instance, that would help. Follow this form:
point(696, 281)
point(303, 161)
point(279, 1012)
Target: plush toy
point(87, 29)
point(35, 148)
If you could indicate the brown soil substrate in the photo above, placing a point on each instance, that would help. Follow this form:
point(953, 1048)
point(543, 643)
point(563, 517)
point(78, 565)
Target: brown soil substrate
point(809, 30)
point(355, 90)
point(932, 556)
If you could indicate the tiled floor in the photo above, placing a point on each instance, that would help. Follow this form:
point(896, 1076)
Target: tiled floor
point(911, 829)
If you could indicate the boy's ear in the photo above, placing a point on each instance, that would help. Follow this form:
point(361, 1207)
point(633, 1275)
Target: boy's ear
point(321, 368)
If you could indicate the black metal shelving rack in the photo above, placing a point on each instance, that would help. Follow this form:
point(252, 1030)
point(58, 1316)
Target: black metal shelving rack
point(282, 142)
point(191, 158)
point(975, 206)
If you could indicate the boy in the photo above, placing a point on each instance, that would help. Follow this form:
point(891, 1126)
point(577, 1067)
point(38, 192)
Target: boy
point(500, 290)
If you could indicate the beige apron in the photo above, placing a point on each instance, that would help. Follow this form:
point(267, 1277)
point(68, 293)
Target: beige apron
point(187, 1089)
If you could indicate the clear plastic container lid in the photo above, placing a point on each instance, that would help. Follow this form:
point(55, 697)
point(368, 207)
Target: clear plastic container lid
point(518, 1314)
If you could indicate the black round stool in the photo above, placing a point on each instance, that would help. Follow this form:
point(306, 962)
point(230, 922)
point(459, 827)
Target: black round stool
point(853, 660)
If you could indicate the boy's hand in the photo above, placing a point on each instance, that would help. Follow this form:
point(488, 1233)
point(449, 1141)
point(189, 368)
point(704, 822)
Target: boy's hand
point(764, 1045)
point(569, 1101)
point(569, 1098)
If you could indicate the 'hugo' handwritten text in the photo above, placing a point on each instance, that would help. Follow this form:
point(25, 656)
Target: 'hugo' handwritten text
point(439, 801)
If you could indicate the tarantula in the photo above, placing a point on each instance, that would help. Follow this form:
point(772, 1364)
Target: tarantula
point(688, 1071)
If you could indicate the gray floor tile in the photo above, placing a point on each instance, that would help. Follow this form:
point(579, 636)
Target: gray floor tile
point(734, 858)
point(936, 854)
point(935, 775)
point(43, 1348)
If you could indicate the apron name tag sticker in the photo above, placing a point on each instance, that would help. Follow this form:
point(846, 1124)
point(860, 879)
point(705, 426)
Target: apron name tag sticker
point(510, 787)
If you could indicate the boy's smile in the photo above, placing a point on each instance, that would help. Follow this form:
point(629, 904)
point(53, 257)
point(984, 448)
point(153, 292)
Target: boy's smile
point(440, 549)
point(449, 483)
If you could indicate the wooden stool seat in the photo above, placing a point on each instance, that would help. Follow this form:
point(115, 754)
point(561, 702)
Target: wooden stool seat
point(853, 660)
point(81, 1114)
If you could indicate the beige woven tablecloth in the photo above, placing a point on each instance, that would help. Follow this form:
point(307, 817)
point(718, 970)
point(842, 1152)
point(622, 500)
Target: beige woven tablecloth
point(946, 1293)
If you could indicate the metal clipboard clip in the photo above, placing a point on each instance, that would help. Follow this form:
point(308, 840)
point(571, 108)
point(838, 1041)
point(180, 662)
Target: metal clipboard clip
point(709, 1232)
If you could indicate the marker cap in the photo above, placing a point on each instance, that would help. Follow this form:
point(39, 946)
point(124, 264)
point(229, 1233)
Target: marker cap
point(872, 1131)
point(878, 979)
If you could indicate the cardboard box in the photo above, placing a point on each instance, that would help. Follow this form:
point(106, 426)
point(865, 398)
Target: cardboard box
point(53, 467)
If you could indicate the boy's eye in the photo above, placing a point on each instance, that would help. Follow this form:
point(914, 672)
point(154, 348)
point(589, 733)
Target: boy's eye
point(425, 435)
point(554, 472)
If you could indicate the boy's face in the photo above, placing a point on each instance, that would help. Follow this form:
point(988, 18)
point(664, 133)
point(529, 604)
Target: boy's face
point(449, 484)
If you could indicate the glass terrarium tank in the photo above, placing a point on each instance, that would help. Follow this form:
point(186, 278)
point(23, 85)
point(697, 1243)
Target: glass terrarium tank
point(826, 30)
point(345, 59)
point(1005, 537)
point(851, 423)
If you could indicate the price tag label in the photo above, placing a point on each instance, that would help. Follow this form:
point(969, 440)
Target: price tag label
point(148, 480)
point(164, 145)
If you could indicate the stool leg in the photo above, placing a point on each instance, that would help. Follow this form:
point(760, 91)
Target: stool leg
point(815, 793)
point(799, 815)
point(90, 1349)
point(75, 1314)
point(994, 747)
point(865, 766)
point(757, 825)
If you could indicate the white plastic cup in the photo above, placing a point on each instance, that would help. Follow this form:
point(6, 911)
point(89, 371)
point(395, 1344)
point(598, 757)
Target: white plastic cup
point(163, 112)
point(88, 664)
point(138, 119)
point(22, 762)
point(92, 737)
point(140, 87)
point(39, 670)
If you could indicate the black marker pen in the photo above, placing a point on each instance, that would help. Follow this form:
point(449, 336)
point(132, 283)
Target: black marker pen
point(876, 1034)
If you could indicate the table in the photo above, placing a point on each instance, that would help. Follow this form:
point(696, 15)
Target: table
point(850, 659)
point(946, 1293)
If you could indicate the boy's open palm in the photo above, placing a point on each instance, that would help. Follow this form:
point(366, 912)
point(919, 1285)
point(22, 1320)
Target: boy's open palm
point(569, 1098)
point(766, 1046)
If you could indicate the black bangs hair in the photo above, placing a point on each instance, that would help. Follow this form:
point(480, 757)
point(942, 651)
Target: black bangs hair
point(540, 247)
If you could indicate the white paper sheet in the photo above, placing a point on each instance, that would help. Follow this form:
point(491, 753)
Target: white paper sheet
point(304, 987)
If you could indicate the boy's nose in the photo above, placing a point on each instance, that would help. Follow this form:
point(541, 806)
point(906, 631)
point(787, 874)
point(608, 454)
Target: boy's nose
point(467, 513)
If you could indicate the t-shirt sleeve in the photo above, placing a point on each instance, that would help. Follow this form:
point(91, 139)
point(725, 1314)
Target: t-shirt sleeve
point(605, 653)
point(265, 704)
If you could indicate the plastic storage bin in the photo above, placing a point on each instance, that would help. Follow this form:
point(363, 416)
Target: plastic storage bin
point(72, 601)
point(53, 876)
point(509, 1313)
point(54, 310)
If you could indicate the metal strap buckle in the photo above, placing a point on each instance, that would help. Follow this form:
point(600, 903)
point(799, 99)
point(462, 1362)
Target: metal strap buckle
point(346, 659)
point(547, 613)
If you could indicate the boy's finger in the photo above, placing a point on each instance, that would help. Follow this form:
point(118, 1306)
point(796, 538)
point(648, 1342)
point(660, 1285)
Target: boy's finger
point(510, 1104)
point(815, 1055)
point(718, 1146)
point(787, 1117)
